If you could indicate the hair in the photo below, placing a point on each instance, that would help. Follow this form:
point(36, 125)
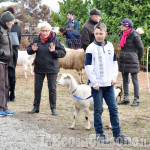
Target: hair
point(100, 26)
point(44, 24)
point(10, 9)
point(70, 12)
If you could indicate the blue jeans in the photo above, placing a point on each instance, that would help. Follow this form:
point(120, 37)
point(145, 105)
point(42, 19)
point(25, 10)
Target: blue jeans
point(109, 95)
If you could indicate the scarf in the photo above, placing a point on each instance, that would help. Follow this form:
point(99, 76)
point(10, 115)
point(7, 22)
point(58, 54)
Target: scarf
point(44, 40)
point(124, 37)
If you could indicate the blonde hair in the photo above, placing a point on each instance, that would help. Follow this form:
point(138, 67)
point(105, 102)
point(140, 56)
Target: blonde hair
point(44, 24)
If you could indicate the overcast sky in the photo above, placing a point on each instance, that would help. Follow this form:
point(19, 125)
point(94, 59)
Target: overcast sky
point(53, 4)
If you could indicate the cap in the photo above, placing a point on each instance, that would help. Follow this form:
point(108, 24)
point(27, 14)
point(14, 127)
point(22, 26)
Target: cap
point(126, 22)
point(95, 11)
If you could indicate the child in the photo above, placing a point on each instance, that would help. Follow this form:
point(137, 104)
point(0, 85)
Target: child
point(131, 53)
point(102, 70)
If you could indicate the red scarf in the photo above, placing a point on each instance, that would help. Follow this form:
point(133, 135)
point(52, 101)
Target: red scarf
point(44, 40)
point(124, 37)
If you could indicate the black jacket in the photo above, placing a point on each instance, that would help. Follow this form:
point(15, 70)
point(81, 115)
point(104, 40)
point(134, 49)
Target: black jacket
point(46, 61)
point(5, 44)
point(131, 53)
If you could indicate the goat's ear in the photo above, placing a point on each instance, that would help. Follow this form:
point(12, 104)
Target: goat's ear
point(68, 76)
point(60, 74)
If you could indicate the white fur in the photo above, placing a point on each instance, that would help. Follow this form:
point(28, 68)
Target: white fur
point(25, 60)
point(139, 31)
point(82, 91)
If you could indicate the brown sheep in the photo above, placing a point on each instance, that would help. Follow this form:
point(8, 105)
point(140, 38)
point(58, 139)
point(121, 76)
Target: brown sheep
point(74, 59)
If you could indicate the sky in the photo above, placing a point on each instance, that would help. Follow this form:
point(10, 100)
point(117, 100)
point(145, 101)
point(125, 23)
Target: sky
point(53, 4)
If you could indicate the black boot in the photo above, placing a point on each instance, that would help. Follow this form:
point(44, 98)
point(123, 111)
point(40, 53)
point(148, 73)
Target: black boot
point(54, 113)
point(34, 110)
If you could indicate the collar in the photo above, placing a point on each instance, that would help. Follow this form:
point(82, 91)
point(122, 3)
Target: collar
point(95, 42)
point(92, 21)
point(75, 90)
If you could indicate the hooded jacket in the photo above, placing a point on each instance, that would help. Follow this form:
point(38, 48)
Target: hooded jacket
point(131, 53)
point(6, 51)
point(46, 61)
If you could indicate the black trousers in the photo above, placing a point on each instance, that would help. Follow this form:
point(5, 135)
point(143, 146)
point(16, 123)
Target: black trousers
point(12, 82)
point(38, 84)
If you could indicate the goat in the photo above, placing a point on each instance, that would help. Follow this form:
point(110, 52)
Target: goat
point(74, 59)
point(82, 91)
point(25, 60)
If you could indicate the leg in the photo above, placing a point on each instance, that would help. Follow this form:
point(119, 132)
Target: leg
point(25, 66)
point(88, 127)
point(136, 89)
point(31, 69)
point(98, 110)
point(75, 116)
point(51, 78)
point(126, 81)
point(109, 96)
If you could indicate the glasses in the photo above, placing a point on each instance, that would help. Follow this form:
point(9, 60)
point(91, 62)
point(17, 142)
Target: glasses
point(45, 31)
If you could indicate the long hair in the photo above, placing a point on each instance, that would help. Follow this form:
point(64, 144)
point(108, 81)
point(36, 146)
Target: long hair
point(10, 9)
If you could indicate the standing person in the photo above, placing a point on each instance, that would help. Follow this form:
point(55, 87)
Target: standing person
point(87, 32)
point(6, 52)
point(72, 22)
point(72, 38)
point(48, 49)
point(131, 53)
point(102, 69)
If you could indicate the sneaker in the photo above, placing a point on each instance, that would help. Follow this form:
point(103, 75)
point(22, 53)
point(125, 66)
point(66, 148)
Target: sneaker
point(121, 139)
point(135, 103)
point(54, 113)
point(9, 113)
point(33, 111)
point(124, 102)
point(2, 114)
point(102, 139)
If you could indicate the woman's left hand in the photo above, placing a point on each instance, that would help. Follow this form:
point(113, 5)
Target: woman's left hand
point(52, 47)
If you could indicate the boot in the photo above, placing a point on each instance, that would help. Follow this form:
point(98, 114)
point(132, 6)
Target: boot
point(135, 102)
point(54, 113)
point(34, 110)
point(125, 101)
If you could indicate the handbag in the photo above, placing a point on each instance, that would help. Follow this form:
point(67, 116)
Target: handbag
point(14, 39)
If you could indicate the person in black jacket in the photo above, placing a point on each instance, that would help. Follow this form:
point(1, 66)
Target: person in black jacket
point(48, 49)
point(6, 52)
point(131, 53)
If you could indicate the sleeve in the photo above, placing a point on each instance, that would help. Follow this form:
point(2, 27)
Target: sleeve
point(60, 51)
point(76, 26)
point(89, 67)
point(29, 48)
point(115, 68)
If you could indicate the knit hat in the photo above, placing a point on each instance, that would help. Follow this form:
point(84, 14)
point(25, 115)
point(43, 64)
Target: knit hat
point(7, 16)
point(126, 22)
point(95, 11)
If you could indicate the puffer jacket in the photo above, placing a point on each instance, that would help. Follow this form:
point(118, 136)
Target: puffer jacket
point(46, 61)
point(131, 53)
point(6, 51)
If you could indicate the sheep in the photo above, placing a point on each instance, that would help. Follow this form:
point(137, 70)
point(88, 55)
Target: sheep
point(83, 91)
point(74, 59)
point(25, 60)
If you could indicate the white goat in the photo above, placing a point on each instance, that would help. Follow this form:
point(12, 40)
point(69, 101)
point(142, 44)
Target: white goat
point(82, 91)
point(25, 60)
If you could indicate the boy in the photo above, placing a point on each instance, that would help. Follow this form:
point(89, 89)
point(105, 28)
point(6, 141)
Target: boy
point(102, 69)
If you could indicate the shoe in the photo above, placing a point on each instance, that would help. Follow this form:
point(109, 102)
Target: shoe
point(102, 139)
point(135, 103)
point(124, 102)
point(34, 110)
point(54, 113)
point(12, 99)
point(9, 113)
point(121, 139)
point(2, 114)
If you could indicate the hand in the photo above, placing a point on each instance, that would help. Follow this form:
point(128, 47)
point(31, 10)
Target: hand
point(52, 47)
point(96, 88)
point(34, 47)
point(113, 82)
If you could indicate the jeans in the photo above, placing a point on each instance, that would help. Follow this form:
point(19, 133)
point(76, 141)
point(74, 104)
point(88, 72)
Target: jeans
point(109, 95)
point(126, 82)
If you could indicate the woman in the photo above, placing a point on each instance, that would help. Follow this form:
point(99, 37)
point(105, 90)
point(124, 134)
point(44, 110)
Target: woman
point(73, 39)
point(131, 53)
point(48, 49)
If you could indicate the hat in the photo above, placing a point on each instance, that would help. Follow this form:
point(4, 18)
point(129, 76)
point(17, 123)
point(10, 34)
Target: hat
point(95, 11)
point(126, 22)
point(7, 16)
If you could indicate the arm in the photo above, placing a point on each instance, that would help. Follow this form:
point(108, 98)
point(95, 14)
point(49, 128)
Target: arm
point(30, 50)
point(76, 26)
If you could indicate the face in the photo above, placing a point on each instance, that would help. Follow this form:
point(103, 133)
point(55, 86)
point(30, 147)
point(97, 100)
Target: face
point(96, 18)
point(124, 28)
point(99, 35)
point(45, 32)
point(10, 24)
point(69, 16)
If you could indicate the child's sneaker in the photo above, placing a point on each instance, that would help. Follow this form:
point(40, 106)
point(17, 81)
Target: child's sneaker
point(2, 114)
point(9, 113)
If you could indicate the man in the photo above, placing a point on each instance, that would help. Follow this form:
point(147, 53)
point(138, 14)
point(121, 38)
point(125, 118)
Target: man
point(72, 23)
point(87, 32)
point(6, 52)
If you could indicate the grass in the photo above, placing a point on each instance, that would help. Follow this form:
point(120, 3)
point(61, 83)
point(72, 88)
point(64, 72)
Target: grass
point(134, 121)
